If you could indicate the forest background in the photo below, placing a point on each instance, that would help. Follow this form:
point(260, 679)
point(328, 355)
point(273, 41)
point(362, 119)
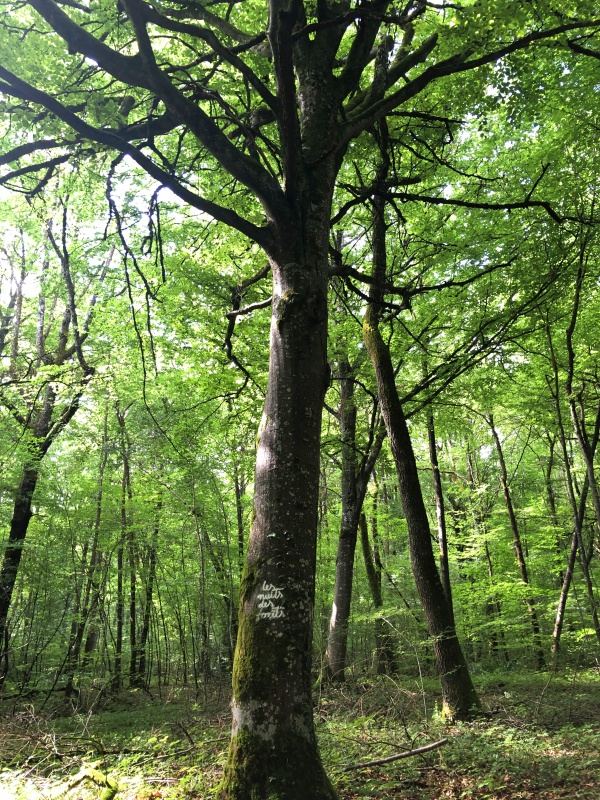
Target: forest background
point(146, 304)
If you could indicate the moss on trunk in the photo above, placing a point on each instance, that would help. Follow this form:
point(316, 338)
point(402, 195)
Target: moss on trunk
point(274, 768)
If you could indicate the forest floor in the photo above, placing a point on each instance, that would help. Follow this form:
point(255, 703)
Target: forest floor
point(539, 739)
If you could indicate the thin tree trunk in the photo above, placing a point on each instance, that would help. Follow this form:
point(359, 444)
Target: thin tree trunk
point(385, 656)
point(43, 425)
point(440, 512)
point(460, 697)
point(148, 603)
point(344, 566)
point(517, 544)
point(117, 680)
point(567, 578)
point(85, 609)
point(355, 479)
point(493, 606)
point(578, 419)
point(22, 514)
point(577, 509)
point(551, 498)
point(239, 493)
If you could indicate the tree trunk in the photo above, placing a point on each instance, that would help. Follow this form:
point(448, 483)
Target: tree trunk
point(22, 514)
point(518, 547)
point(344, 566)
point(385, 657)
point(460, 697)
point(240, 488)
point(273, 751)
point(493, 606)
point(564, 593)
point(355, 480)
point(87, 603)
point(39, 428)
point(440, 512)
point(551, 499)
point(150, 578)
point(578, 510)
point(38, 423)
point(117, 679)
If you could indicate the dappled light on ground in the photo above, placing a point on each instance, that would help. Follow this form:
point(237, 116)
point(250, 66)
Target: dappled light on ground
point(536, 741)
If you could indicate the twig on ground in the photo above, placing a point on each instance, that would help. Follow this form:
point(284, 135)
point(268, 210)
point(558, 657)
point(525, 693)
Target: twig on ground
point(407, 754)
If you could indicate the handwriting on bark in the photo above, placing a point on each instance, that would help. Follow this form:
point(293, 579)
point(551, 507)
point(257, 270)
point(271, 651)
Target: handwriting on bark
point(268, 605)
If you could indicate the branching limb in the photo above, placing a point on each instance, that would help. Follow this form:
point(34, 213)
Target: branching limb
point(141, 70)
point(460, 62)
point(18, 88)
point(249, 309)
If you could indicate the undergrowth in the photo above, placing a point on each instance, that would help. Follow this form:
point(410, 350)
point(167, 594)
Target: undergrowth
point(539, 738)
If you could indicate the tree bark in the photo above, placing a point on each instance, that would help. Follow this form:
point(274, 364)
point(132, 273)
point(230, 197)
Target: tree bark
point(148, 600)
point(355, 479)
point(385, 657)
point(273, 751)
point(43, 420)
point(577, 509)
point(42, 438)
point(460, 697)
point(240, 488)
point(344, 566)
point(518, 547)
point(22, 514)
point(440, 512)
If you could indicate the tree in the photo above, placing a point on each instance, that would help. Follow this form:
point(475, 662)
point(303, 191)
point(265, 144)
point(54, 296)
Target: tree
point(47, 373)
point(460, 697)
point(267, 97)
point(354, 479)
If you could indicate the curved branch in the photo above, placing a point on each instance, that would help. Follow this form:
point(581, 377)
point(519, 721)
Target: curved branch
point(141, 70)
point(249, 309)
point(450, 66)
point(18, 88)
point(449, 201)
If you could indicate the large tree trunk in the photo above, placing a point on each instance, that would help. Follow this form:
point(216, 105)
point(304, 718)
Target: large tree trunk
point(460, 697)
point(273, 751)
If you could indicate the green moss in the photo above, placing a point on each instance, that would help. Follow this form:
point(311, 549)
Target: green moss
point(286, 767)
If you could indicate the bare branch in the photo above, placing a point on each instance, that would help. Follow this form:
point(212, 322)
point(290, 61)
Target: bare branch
point(18, 88)
point(407, 754)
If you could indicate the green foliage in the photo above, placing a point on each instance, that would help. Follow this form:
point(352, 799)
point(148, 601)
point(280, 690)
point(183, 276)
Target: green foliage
point(539, 739)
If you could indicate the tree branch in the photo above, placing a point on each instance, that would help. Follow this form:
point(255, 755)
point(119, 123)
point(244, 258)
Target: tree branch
point(18, 88)
point(407, 754)
point(141, 70)
point(449, 66)
point(450, 201)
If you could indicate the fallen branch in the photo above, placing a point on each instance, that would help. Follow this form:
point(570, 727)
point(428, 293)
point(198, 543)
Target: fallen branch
point(90, 773)
point(407, 754)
